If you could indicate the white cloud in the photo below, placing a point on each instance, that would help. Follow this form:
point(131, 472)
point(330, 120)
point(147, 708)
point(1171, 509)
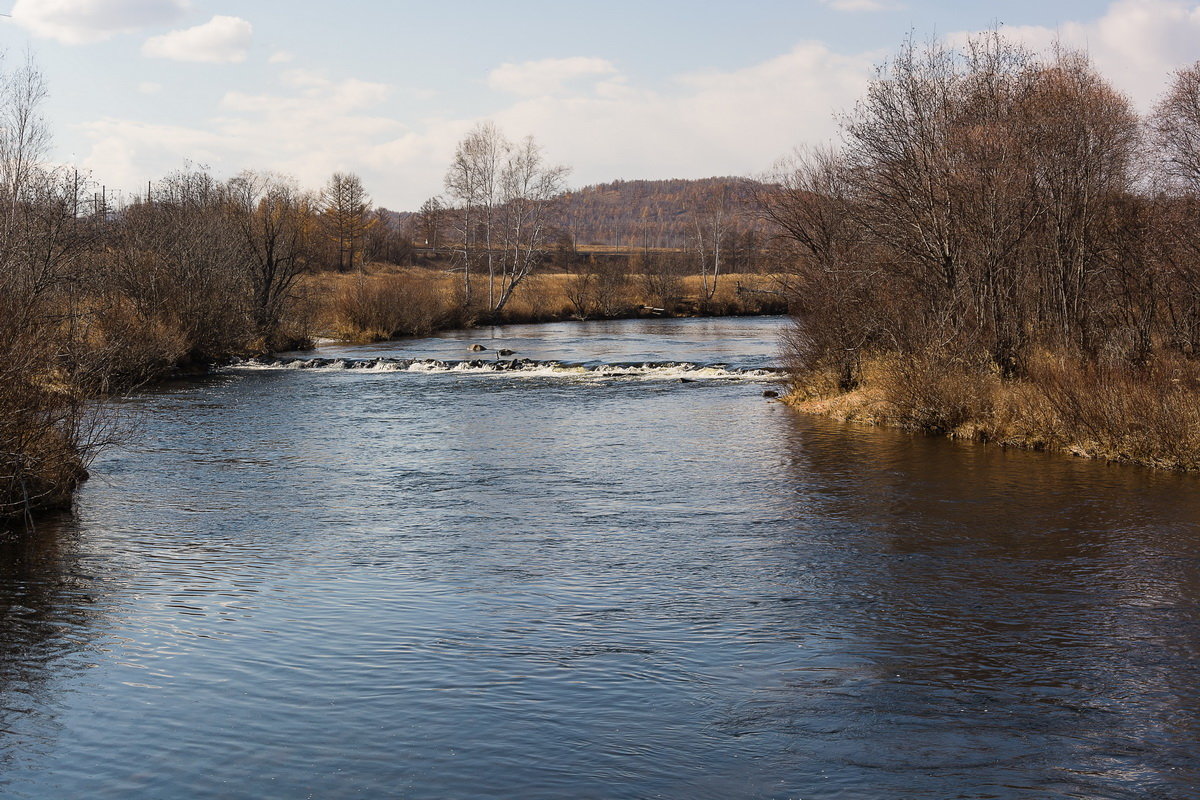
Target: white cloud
point(280, 57)
point(1136, 44)
point(85, 21)
point(221, 40)
point(126, 153)
point(730, 122)
point(548, 76)
point(863, 5)
point(315, 127)
point(733, 122)
point(587, 114)
point(149, 87)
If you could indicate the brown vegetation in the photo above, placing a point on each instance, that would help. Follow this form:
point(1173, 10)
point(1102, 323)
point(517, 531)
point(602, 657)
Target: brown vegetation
point(655, 215)
point(386, 301)
point(1003, 250)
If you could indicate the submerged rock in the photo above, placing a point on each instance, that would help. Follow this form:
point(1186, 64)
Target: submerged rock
point(503, 352)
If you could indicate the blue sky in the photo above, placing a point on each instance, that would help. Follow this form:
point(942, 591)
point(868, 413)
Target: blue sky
point(616, 89)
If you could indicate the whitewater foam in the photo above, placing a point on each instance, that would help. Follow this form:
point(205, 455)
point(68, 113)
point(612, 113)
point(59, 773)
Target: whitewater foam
point(521, 368)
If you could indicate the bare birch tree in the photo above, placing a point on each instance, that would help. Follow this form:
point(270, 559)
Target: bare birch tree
point(505, 194)
point(528, 188)
point(473, 180)
point(713, 220)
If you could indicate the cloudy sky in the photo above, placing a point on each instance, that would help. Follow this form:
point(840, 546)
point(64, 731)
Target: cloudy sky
point(616, 89)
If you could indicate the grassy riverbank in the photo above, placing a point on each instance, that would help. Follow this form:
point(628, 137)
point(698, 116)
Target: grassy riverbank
point(1147, 415)
point(385, 301)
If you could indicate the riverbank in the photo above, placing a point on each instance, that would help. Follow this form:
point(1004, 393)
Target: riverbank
point(386, 302)
point(1147, 415)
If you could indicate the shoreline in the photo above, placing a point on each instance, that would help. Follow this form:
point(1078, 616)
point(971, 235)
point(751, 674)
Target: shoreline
point(379, 305)
point(329, 337)
point(1023, 414)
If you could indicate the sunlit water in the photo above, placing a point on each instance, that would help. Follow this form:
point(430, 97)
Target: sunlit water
point(367, 583)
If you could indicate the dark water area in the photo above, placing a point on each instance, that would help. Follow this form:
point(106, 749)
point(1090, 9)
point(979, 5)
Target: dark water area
point(339, 583)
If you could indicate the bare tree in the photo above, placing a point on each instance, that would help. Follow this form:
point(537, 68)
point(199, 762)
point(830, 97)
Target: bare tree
point(473, 180)
point(430, 224)
point(346, 213)
point(24, 137)
point(980, 203)
point(808, 200)
point(275, 220)
point(529, 188)
point(714, 218)
point(1175, 125)
point(48, 427)
point(505, 194)
point(1084, 149)
point(179, 261)
point(1175, 130)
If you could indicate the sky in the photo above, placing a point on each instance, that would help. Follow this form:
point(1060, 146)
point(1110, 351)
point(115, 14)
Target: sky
point(615, 89)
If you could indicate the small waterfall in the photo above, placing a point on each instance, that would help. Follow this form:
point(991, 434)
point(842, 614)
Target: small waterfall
point(520, 367)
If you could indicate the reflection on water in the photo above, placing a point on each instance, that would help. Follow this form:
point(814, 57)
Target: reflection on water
point(746, 342)
point(1026, 622)
point(333, 584)
point(52, 600)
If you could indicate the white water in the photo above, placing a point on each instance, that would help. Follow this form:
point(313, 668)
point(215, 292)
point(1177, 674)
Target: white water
point(652, 371)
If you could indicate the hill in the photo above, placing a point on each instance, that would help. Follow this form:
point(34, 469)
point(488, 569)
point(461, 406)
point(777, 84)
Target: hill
point(652, 214)
point(660, 214)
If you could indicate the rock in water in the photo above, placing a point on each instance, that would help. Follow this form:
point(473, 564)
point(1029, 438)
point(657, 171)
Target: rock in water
point(476, 348)
point(770, 393)
point(505, 352)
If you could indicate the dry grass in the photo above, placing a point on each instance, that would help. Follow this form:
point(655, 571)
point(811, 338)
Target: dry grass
point(1140, 415)
point(376, 307)
point(385, 301)
point(1146, 415)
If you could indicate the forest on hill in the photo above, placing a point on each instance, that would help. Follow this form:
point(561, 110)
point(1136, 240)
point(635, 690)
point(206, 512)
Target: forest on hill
point(652, 214)
point(643, 214)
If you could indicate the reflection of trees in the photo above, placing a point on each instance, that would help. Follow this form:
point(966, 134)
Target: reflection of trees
point(1028, 617)
point(48, 607)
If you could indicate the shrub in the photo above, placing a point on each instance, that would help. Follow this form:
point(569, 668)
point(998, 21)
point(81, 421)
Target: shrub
point(372, 308)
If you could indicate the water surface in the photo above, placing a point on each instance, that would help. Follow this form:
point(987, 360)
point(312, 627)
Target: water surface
point(347, 583)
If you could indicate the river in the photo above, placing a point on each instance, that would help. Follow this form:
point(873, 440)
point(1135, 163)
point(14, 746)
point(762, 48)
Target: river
point(398, 573)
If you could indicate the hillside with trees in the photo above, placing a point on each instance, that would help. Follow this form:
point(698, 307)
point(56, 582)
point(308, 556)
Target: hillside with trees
point(655, 214)
point(633, 214)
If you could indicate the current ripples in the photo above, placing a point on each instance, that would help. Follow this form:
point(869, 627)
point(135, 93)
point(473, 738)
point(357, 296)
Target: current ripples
point(346, 583)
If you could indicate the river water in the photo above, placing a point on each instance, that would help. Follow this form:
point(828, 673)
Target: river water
point(394, 573)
